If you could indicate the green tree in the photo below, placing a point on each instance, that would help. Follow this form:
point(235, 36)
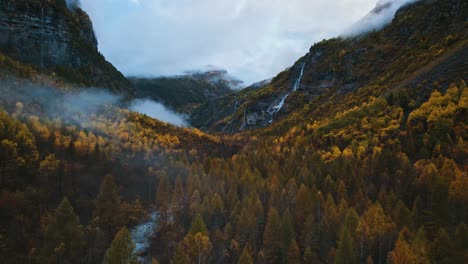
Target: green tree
point(245, 257)
point(107, 212)
point(440, 250)
point(63, 241)
point(272, 237)
point(198, 226)
point(294, 254)
point(122, 249)
point(345, 252)
point(402, 215)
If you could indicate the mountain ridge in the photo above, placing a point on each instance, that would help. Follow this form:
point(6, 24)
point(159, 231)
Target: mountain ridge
point(329, 64)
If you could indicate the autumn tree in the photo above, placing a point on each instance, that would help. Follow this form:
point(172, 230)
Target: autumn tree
point(63, 240)
point(345, 252)
point(245, 257)
point(122, 249)
point(294, 254)
point(108, 209)
point(272, 237)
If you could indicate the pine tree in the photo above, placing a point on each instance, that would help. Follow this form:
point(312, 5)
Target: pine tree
point(440, 250)
point(294, 254)
point(403, 253)
point(345, 252)
point(245, 258)
point(461, 244)
point(287, 233)
point(402, 215)
point(198, 226)
point(272, 238)
point(122, 249)
point(64, 240)
point(178, 201)
point(180, 257)
point(107, 212)
point(163, 196)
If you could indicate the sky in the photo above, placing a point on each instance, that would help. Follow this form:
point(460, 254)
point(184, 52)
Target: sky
point(252, 39)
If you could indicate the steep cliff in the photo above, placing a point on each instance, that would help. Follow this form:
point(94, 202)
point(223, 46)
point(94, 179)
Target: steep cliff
point(53, 38)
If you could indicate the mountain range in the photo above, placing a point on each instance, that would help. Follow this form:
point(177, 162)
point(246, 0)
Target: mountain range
point(356, 153)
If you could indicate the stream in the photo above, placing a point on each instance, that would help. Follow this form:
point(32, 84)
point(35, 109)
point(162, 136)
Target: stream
point(141, 235)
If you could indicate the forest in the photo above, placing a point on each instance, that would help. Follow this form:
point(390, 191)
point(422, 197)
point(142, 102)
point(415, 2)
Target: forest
point(374, 175)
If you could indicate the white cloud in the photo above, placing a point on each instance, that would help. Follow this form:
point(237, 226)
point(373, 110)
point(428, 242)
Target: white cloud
point(158, 111)
point(252, 39)
point(381, 15)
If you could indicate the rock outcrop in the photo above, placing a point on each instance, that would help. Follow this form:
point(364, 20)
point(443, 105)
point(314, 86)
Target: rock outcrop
point(53, 38)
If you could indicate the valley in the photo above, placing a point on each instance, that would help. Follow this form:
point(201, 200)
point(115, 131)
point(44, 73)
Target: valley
point(357, 153)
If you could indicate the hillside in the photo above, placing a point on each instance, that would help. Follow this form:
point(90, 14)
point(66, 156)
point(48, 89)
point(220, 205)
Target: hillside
point(57, 41)
point(356, 154)
point(425, 43)
point(185, 93)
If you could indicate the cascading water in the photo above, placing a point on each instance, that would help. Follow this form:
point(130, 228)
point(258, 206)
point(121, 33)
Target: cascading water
point(141, 235)
point(298, 80)
point(280, 103)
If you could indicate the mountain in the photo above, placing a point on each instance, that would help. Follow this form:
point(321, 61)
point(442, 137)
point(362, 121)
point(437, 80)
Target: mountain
point(356, 154)
point(424, 43)
point(57, 41)
point(184, 93)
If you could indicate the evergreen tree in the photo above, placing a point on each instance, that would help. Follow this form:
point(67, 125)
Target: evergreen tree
point(64, 241)
point(294, 254)
point(245, 257)
point(180, 257)
point(287, 233)
point(345, 252)
point(461, 244)
point(198, 226)
point(122, 249)
point(272, 238)
point(107, 212)
point(441, 250)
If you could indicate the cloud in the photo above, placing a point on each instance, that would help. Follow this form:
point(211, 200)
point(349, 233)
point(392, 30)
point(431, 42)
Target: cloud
point(252, 39)
point(158, 111)
point(377, 18)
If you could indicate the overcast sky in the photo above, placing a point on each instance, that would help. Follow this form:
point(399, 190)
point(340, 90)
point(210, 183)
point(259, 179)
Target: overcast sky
point(252, 39)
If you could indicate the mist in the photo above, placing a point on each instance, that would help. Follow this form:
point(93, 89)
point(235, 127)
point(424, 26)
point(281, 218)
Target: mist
point(158, 111)
point(377, 18)
point(77, 107)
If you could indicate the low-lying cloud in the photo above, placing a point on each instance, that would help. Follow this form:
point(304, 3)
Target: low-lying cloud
point(78, 106)
point(377, 18)
point(158, 111)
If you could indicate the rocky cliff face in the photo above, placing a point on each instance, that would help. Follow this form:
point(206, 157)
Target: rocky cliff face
point(50, 36)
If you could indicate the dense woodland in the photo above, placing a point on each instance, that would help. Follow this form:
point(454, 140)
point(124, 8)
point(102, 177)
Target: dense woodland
point(379, 178)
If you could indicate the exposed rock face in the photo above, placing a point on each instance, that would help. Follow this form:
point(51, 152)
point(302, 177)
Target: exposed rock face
point(48, 35)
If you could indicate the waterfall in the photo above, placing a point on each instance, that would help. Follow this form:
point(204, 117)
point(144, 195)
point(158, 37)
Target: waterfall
point(298, 81)
point(280, 104)
point(276, 108)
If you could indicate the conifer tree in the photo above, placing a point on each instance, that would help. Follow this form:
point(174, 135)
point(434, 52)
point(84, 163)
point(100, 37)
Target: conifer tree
point(122, 249)
point(272, 238)
point(345, 252)
point(107, 212)
point(198, 226)
point(64, 240)
point(294, 254)
point(245, 257)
